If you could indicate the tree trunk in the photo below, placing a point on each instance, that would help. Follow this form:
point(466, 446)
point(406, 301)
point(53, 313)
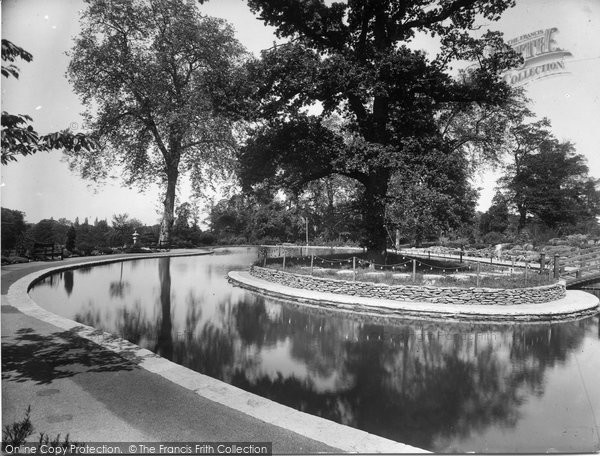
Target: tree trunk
point(375, 236)
point(168, 207)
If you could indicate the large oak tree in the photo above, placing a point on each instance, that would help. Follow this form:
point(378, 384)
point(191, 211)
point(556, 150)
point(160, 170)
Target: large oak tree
point(160, 83)
point(357, 59)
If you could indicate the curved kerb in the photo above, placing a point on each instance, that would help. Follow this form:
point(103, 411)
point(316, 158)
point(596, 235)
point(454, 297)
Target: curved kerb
point(575, 305)
point(336, 435)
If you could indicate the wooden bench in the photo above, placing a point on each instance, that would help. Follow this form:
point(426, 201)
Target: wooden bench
point(161, 246)
point(46, 251)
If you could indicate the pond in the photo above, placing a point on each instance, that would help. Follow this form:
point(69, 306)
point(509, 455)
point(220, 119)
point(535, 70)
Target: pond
point(439, 386)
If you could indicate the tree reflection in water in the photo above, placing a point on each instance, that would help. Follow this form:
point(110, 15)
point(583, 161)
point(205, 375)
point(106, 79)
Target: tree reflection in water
point(118, 288)
point(164, 340)
point(68, 278)
point(420, 383)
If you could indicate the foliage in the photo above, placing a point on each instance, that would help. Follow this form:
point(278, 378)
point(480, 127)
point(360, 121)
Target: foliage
point(332, 207)
point(20, 138)
point(48, 231)
point(10, 52)
point(14, 260)
point(493, 238)
point(124, 227)
point(241, 217)
point(433, 198)
point(16, 433)
point(496, 218)
point(552, 184)
point(71, 238)
point(56, 442)
point(326, 204)
point(159, 81)
point(354, 60)
point(13, 228)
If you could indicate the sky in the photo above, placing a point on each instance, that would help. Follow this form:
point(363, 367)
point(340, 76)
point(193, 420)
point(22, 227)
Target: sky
point(42, 185)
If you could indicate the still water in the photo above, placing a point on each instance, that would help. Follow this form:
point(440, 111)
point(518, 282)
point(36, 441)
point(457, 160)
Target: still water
point(439, 386)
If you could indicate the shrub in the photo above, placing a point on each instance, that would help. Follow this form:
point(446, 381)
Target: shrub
point(268, 241)
point(14, 260)
point(85, 248)
point(206, 238)
point(493, 237)
point(576, 239)
point(238, 240)
point(16, 434)
point(457, 243)
point(136, 249)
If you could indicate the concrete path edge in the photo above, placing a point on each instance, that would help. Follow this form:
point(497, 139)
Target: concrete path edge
point(336, 435)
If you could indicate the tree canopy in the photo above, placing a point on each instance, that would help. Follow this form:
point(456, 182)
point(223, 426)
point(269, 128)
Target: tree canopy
point(160, 83)
point(551, 182)
point(356, 60)
point(18, 136)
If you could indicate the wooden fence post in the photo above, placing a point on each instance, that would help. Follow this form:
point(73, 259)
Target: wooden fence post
point(284, 259)
point(556, 266)
point(312, 260)
point(478, 271)
point(353, 268)
point(414, 270)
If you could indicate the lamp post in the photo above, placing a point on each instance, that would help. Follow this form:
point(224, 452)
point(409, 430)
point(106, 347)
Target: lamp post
point(135, 235)
point(307, 231)
point(305, 221)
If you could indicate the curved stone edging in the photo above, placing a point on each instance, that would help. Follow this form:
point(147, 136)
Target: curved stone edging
point(575, 305)
point(336, 435)
point(439, 295)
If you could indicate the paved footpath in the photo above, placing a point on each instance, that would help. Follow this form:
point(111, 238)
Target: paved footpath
point(97, 388)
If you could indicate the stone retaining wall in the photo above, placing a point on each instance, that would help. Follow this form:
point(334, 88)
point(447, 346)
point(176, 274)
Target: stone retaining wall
point(442, 295)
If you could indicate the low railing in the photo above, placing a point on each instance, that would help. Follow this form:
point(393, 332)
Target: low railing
point(579, 267)
point(554, 267)
point(407, 264)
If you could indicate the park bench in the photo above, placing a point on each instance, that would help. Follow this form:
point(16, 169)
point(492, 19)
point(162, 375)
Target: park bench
point(45, 251)
point(161, 246)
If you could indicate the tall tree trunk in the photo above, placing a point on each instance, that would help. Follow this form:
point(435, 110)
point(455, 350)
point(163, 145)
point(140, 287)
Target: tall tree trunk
point(374, 214)
point(168, 206)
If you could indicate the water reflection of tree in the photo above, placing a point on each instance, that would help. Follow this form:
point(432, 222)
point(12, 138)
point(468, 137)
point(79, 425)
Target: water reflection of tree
point(118, 288)
point(415, 386)
point(91, 317)
point(420, 383)
point(68, 279)
point(164, 341)
point(130, 323)
point(211, 347)
point(133, 324)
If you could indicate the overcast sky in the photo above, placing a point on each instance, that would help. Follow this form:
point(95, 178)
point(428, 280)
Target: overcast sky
point(42, 185)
